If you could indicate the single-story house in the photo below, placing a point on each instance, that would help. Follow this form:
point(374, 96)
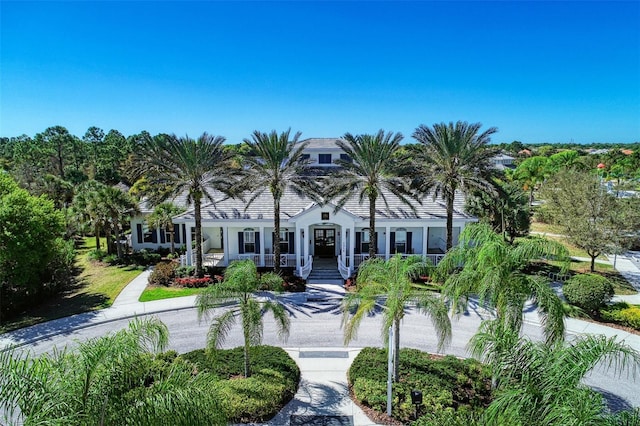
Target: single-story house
point(232, 230)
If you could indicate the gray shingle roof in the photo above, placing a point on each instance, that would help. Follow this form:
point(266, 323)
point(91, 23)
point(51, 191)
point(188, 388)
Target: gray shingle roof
point(293, 204)
point(321, 143)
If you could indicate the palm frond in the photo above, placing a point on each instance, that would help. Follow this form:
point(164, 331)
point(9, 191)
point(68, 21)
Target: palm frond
point(220, 328)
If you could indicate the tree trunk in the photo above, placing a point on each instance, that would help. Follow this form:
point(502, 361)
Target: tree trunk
point(276, 235)
point(96, 230)
point(109, 242)
point(593, 263)
point(531, 197)
point(396, 350)
point(372, 227)
point(247, 344)
point(450, 198)
point(198, 218)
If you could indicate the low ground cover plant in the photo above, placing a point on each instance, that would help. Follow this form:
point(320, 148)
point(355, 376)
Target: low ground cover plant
point(448, 384)
point(273, 382)
point(623, 314)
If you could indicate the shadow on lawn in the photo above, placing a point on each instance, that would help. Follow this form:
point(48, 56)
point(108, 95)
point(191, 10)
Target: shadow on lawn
point(70, 300)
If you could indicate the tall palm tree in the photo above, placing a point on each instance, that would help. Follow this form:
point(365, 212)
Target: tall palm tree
point(88, 206)
point(540, 384)
point(531, 173)
point(240, 283)
point(106, 380)
point(276, 163)
point(117, 206)
point(454, 157)
point(195, 166)
point(495, 271)
point(162, 218)
point(371, 171)
point(388, 285)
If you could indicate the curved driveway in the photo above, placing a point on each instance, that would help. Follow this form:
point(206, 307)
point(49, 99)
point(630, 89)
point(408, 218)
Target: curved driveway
point(317, 324)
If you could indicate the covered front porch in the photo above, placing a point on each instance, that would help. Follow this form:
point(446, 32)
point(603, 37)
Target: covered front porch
point(344, 241)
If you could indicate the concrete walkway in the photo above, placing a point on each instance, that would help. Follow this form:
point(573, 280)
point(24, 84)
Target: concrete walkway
point(323, 388)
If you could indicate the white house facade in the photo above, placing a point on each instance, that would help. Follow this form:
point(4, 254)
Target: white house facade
point(231, 230)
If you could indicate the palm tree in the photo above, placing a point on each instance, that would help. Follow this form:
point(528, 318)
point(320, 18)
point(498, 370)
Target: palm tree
point(197, 167)
point(106, 380)
point(454, 157)
point(276, 163)
point(162, 218)
point(371, 171)
point(240, 283)
point(531, 173)
point(540, 384)
point(88, 205)
point(116, 205)
point(388, 285)
point(495, 271)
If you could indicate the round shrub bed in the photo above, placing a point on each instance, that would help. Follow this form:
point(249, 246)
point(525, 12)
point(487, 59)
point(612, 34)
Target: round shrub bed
point(588, 291)
point(273, 382)
point(448, 384)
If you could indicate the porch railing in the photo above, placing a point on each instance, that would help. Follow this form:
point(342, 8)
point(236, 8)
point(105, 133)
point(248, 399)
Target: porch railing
point(345, 271)
point(359, 258)
point(286, 260)
point(305, 269)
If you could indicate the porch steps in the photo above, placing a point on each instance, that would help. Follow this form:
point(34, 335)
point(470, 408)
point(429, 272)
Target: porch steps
point(325, 271)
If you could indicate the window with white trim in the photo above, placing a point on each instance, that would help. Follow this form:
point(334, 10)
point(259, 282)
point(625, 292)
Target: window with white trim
point(365, 241)
point(401, 241)
point(249, 238)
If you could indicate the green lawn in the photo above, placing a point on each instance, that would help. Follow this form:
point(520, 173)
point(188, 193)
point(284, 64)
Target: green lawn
point(546, 228)
point(157, 293)
point(95, 286)
point(100, 278)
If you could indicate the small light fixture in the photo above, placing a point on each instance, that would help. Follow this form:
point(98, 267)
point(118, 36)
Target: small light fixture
point(416, 400)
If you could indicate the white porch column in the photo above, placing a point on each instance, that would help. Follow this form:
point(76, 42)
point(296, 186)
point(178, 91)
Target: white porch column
point(387, 242)
point(425, 242)
point(225, 246)
point(262, 247)
point(296, 242)
point(352, 246)
point(307, 238)
point(188, 243)
point(343, 242)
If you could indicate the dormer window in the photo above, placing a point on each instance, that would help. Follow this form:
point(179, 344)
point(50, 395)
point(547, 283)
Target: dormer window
point(324, 158)
point(345, 157)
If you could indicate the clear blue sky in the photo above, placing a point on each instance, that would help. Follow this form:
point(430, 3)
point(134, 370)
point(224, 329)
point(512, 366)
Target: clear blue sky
point(539, 71)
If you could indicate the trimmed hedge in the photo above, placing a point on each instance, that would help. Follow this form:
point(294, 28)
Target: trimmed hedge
point(588, 291)
point(163, 274)
point(272, 385)
point(447, 383)
point(623, 314)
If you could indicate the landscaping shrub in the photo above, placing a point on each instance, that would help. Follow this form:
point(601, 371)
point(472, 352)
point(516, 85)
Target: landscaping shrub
point(272, 385)
point(185, 271)
point(111, 259)
point(194, 282)
point(294, 283)
point(446, 383)
point(163, 274)
point(623, 314)
point(96, 255)
point(272, 282)
point(588, 291)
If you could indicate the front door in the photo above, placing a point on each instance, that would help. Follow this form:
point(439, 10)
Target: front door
point(324, 242)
